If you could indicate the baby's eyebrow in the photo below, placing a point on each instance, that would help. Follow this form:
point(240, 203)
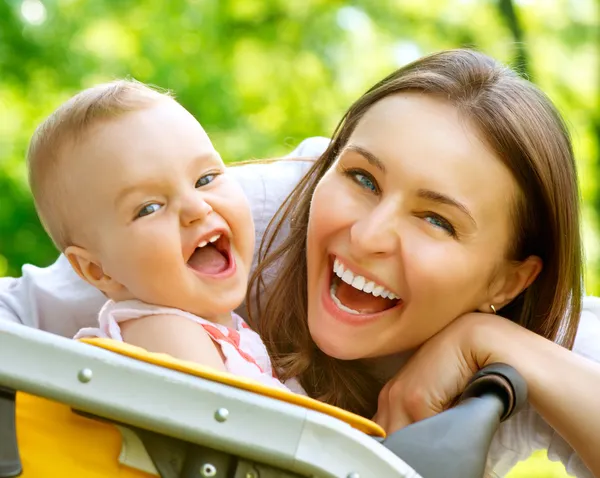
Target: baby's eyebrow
point(200, 159)
point(148, 185)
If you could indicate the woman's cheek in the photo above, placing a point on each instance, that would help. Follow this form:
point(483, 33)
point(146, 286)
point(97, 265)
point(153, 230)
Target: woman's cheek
point(331, 203)
point(431, 267)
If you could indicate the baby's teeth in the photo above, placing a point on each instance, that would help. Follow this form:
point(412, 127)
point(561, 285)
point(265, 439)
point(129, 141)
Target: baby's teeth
point(358, 282)
point(369, 286)
point(377, 291)
point(214, 238)
point(348, 277)
point(202, 244)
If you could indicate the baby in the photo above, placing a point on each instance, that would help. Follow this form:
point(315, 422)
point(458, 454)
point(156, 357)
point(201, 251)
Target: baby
point(129, 186)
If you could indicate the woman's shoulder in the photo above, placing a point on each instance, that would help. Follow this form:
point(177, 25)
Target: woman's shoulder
point(587, 340)
point(291, 167)
point(267, 184)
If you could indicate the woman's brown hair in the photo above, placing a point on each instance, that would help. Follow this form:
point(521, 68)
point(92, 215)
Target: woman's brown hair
point(526, 132)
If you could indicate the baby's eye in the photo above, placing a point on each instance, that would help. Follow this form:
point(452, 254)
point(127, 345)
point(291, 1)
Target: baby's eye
point(148, 209)
point(206, 179)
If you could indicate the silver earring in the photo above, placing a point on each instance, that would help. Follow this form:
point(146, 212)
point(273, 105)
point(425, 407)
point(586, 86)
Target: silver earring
point(493, 308)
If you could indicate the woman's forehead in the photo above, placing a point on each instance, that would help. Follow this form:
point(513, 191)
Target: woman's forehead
point(424, 142)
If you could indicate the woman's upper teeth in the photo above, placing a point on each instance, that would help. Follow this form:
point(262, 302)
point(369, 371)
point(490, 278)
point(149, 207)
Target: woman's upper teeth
point(360, 283)
point(212, 239)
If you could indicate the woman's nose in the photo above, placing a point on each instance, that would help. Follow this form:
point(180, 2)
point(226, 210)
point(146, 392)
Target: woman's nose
point(194, 208)
point(376, 232)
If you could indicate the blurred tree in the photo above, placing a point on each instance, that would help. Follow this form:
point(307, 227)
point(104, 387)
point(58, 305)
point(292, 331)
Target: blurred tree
point(262, 75)
point(509, 13)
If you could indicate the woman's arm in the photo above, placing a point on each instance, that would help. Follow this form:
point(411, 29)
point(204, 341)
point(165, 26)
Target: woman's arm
point(176, 336)
point(563, 386)
point(51, 298)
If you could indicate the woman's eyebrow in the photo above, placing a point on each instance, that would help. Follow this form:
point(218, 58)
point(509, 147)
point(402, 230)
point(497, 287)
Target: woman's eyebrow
point(370, 157)
point(443, 199)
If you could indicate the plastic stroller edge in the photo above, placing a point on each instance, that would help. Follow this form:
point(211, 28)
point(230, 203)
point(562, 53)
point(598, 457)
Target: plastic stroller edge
point(127, 390)
point(356, 421)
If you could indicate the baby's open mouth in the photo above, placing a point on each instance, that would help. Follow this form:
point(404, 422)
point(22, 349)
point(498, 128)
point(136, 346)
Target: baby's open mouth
point(357, 295)
point(212, 256)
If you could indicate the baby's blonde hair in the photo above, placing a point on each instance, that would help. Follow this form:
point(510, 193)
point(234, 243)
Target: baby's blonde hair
point(68, 124)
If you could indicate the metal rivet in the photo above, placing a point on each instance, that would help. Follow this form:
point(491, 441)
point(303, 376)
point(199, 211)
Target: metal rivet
point(353, 475)
point(85, 375)
point(208, 470)
point(221, 415)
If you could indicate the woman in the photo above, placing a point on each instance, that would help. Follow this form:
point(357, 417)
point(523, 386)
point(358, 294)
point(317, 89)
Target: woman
point(440, 232)
point(448, 189)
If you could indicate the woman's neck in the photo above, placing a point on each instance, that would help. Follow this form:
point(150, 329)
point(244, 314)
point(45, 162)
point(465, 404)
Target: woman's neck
point(384, 368)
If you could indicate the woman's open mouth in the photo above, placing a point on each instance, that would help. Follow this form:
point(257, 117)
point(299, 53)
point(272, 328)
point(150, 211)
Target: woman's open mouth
point(213, 257)
point(354, 294)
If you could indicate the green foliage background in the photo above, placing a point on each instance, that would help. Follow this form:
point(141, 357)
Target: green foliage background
point(261, 75)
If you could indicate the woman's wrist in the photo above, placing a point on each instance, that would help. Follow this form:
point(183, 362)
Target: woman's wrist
point(492, 339)
point(552, 372)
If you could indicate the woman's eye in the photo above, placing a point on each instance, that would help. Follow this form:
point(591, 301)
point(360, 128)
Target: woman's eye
point(440, 222)
point(148, 209)
point(364, 180)
point(206, 179)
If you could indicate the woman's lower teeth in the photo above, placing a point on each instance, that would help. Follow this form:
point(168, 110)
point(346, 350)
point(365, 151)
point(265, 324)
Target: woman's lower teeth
point(336, 301)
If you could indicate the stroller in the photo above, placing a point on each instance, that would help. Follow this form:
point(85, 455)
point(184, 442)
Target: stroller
point(108, 409)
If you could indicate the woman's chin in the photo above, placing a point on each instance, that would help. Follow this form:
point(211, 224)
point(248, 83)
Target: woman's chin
point(337, 347)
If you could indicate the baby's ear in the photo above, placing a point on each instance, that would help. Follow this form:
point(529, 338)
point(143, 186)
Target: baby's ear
point(89, 268)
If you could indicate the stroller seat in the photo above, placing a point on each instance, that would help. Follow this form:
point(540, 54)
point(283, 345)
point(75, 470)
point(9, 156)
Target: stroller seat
point(97, 407)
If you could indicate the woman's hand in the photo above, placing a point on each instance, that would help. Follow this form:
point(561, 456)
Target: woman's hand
point(433, 377)
point(562, 386)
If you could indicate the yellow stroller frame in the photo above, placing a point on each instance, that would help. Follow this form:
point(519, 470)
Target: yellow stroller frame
point(115, 410)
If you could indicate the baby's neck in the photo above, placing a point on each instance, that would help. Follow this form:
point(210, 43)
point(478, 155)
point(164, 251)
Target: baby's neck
point(222, 319)
point(225, 319)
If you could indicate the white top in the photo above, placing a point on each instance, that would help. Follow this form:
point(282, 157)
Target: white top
point(57, 300)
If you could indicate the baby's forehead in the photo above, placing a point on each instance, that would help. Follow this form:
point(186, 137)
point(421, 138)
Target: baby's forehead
point(110, 155)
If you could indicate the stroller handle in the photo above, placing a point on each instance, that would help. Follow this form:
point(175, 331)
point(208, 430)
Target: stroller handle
point(502, 381)
point(461, 436)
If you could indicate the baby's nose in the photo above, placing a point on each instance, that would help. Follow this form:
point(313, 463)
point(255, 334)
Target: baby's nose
point(195, 208)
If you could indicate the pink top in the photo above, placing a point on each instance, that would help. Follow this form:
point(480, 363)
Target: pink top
point(245, 353)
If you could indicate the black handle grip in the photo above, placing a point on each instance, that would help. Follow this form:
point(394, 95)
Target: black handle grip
point(501, 380)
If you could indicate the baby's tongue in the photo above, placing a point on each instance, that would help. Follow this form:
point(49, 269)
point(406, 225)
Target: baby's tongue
point(361, 301)
point(208, 260)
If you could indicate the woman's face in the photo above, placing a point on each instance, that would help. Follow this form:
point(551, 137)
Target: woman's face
point(415, 217)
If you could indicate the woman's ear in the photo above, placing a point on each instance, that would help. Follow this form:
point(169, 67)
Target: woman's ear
point(89, 268)
point(517, 277)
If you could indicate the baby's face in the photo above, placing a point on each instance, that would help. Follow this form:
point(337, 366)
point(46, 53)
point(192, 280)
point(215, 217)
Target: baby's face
point(159, 212)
